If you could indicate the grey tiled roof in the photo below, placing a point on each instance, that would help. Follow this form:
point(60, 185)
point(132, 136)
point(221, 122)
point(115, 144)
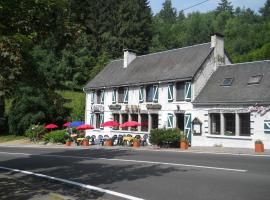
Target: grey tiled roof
point(174, 64)
point(239, 92)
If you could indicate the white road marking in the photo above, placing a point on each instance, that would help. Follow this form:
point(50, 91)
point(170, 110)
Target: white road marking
point(204, 152)
point(143, 161)
point(90, 187)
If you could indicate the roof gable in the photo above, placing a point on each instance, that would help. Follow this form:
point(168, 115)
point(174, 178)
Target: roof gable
point(239, 91)
point(169, 65)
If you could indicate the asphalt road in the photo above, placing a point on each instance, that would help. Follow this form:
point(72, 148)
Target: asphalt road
point(142, 174)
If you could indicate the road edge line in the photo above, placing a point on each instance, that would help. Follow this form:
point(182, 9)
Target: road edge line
point(90, 187)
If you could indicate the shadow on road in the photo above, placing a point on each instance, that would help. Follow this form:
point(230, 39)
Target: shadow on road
point(80, 168)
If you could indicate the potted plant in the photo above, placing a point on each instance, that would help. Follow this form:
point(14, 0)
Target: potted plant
point(108, 142)
point(86, 141)
point(68, 140)
point(259, 146)
point(184, 143)
point(136, 142)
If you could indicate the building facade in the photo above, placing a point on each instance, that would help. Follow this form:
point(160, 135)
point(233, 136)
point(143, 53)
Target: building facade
point(170, 90)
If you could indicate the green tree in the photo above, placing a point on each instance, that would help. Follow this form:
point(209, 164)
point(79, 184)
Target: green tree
point(265, 11)
point(168, 13)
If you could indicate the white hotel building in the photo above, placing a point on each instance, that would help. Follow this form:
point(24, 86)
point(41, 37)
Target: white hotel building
point(195, 89)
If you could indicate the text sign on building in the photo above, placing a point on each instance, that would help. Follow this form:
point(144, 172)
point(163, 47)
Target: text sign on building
point(97, 108)
point(267, 126)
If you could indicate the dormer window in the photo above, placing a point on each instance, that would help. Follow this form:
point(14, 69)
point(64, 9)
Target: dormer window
point(255, 79)
point(227, 82)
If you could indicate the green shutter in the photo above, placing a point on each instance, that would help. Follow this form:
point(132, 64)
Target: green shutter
point(188, 127)
point(92, 97)
point(170, 120)
point(91, 119)
point(155, 91)
point(102, 96)
point(141, 94)
point(266, 126)
point(170, 92)
point(101, 118)
point(114, 96)
point(126, 95)
point(188, 91)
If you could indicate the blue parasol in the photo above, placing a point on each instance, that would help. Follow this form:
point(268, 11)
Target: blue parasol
point(76, 123)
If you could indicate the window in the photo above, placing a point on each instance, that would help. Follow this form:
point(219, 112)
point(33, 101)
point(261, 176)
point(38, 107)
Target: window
point(227, 82)
point(244, 124)
point(170, 92)
point(215, 123)
point(124, 119)
point(116, 118)
point(255, 79)
point(149, 93)
point(121, 95)
point(98, 96)
point(229, 124)
point(144, 122)
point(180, 91)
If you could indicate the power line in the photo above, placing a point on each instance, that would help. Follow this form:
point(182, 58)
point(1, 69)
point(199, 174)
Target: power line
point(194, 5)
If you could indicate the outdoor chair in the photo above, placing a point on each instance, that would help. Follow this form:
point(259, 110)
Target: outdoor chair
point(100, 140)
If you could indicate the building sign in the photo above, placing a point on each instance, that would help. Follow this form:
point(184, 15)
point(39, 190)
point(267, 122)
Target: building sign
point(97, 108)
point(153, 106)
point(132, 108)
point(259, 109)
point(267, 126)
point(115, 107)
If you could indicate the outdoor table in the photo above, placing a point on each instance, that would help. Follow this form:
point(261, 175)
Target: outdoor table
point(79, 140)
point(128, 138)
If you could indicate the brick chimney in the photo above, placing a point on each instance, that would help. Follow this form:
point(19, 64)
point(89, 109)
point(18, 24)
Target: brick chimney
point(129, 56)
point(217, 42)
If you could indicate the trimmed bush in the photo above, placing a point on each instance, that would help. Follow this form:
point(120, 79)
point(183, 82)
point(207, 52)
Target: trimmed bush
point(35, 132)
point(57, 136)
point(165, 137)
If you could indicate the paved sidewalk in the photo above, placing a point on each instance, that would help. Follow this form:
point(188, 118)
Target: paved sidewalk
point(216, 150)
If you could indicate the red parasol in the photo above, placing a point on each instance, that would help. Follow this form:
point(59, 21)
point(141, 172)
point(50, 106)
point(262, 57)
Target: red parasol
point(84, 127)
point(67, 124)
point(51, 126)
point(130, 124)
point(109, 124)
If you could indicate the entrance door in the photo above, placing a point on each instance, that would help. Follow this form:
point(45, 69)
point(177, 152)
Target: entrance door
point(154, 121)
point(188, 126)
point(180, 121)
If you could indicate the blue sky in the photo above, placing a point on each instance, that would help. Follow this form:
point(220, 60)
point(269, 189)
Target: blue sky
point(156, 5)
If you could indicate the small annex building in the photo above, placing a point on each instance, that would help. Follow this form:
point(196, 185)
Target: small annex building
point(195, 89)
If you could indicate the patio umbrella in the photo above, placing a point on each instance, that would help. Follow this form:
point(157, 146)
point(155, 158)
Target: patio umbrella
point(66, 124)
point(76, 123)
point(130, 124)
point(51, 126)
point(109, 124)
point(84, 127)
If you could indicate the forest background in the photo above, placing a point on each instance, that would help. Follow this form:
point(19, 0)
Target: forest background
point(49, 49)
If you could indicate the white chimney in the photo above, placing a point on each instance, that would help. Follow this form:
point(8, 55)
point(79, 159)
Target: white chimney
point(217, 42)
point(129, 56)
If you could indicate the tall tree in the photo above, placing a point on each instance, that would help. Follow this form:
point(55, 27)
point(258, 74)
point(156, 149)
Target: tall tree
point(224, 6)
point(168, 13)
point(265, 11)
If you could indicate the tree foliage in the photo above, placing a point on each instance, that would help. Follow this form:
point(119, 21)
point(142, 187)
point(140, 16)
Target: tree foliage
point(48, 45)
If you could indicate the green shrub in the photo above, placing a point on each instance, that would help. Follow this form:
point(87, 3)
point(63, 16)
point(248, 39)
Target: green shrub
point(57, 136)
point(165, 137)
point(35, 132)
